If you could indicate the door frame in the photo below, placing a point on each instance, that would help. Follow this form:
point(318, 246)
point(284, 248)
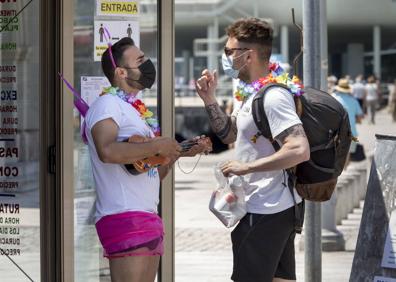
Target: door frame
point(56, 158)
point(166, 47)
point(57, 218)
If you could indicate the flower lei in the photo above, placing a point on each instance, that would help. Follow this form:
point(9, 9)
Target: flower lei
point(276, 75)
point(144, 112)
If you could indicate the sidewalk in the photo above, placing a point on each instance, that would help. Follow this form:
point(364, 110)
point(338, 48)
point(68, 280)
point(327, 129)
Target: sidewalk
point(203, 247)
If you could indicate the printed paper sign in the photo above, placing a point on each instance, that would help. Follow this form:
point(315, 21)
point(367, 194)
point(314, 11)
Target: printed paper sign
point(383, 279)
point(117, 30)
point(119, 8)
point(389, 255)
point(92, 86)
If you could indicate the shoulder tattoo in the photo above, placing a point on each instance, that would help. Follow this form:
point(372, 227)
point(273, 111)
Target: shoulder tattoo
point(295, 131)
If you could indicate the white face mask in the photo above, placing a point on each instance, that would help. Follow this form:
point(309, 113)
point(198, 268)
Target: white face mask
point(228, 63)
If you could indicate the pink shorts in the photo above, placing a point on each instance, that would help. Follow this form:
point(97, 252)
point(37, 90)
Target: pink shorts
point(132, 233)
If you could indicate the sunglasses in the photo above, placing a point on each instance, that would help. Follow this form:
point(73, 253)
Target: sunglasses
point(230, 51)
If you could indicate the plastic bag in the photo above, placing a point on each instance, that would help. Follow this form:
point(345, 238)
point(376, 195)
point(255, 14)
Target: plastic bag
point(227, 202)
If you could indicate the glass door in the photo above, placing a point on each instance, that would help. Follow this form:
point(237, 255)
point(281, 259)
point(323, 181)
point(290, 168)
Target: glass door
point(135, 19)
point(20, 141)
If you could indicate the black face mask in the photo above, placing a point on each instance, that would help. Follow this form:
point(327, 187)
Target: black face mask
point(147, 74)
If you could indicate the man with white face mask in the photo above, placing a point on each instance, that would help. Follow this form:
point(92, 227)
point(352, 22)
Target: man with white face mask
point(228, 61)
point(263, 241)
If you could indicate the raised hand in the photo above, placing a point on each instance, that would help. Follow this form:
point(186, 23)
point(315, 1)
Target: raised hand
point(206, 86)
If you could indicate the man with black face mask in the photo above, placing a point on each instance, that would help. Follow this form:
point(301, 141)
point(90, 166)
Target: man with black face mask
point(263, 241)
point(146, 75)
point(127, 223)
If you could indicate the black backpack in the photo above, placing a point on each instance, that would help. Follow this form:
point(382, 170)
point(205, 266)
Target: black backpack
point(326, 125)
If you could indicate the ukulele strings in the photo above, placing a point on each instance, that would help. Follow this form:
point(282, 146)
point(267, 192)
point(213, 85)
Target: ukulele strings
point(188, 145)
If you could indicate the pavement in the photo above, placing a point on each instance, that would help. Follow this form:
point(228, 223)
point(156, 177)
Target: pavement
point(203, 247)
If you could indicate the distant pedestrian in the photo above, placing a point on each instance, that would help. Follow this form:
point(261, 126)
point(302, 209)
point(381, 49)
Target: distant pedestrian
point(392, 102)
point(348, 77)
point(331, 83)
point(359, 91)
point(351, 105)
point(372, 98)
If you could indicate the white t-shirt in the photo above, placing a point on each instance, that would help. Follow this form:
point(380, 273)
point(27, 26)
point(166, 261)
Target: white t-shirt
point(266, 193)
point(117, 190)
point(371, 92)
point(358, 90)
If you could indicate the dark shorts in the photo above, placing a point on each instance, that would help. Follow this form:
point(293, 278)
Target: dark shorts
point(263, 247)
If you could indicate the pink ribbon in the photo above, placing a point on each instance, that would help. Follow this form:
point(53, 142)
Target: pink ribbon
point(80, 105)
point(108, 39)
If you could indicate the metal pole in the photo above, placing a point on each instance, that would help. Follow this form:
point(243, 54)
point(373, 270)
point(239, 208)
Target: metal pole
point(210, 47)
point(324, 64)
point(332, 239)
point(215, 45)
point(311, 66)
point(285, 43)
point(255, 9)
point(377, 50)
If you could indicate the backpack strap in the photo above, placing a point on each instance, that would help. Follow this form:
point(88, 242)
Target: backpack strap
point(259, 116)
point(298, 209)
point(261, 121)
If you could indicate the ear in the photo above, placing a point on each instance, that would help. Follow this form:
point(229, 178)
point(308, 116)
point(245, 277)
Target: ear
point(121, 73)
point(250, 55)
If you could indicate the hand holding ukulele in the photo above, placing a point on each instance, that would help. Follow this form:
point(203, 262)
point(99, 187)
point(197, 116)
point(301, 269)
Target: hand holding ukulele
point(170, 149)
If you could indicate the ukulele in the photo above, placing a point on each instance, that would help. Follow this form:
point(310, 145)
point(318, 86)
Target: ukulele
point(157, 160)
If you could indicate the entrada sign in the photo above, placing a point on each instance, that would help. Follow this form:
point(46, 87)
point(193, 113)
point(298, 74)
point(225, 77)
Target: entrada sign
point(117, 8)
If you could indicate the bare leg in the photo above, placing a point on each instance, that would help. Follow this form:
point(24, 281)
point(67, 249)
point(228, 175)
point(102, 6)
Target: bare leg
point(371, 110)
point(134, 268)
point(394, 111)
point(374, 109)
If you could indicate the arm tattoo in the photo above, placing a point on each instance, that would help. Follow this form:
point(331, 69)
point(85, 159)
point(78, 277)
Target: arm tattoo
point(222, 125)
point(296, 131)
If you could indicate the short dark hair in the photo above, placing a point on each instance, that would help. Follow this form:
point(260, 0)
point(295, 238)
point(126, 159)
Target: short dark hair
point(371, 79)
point(117, 50)
point(253, 31)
